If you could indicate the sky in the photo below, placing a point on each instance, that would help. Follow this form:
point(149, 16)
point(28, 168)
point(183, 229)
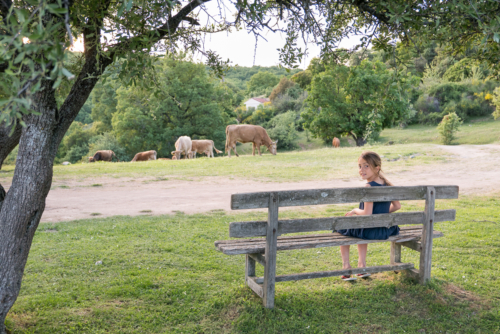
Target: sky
point(239, 46)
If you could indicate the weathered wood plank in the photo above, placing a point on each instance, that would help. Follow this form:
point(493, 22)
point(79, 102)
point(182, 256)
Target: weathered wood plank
point(413, 273)
point(257, 288)
point(258, 258)
point(415, 245)
point(249, 266)
point(405, 231)
point(352, 271)
point(426, 241)
point(395, 253)
point(260, 247)
point(258, 228)
point(300, 236)
point(339, 195)
point(270, 250)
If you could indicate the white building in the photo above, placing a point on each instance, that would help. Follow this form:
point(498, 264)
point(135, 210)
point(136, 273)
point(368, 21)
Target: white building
point(254, 102)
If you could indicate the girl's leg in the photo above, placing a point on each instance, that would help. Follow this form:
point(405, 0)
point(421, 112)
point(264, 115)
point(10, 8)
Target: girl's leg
point(362, 249)
point(344, 251)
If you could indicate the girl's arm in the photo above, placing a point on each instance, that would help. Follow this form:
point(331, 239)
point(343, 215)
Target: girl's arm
point(368, 209)
point(395, 206)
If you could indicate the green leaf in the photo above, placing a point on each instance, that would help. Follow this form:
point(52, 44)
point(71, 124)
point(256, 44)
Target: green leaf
point(68, 74)
point(19, 58)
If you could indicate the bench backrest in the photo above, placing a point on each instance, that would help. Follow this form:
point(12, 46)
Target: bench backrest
point(274, 200)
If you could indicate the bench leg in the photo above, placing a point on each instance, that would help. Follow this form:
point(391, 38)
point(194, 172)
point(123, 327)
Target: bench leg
point(395, 253)
point(426, 241)
point(270, 252)
point(249, 267)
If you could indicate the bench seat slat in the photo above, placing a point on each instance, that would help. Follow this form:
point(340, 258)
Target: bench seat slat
point(324, 240)
point(301, 237)
point(258, 228)
point(352, 271)
point(339, 196)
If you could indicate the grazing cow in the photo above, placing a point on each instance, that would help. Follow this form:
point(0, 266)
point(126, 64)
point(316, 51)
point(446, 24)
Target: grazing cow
point(246, 133)
point(203, 146)
point(335, 142)
point(145, 156)
point(163, 159)
point(182, 146)
point(174, 157)
point(105, 155)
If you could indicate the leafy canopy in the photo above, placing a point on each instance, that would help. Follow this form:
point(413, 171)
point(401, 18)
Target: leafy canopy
point(356, 101)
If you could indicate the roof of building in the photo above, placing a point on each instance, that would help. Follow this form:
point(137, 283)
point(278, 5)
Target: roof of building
point(260, 99)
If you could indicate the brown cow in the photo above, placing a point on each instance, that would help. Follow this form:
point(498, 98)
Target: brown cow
point(182, 146)
point(163, 159)
point(145, 156)
point(106, 155)
point(203, 146)
point(335, 142)
point(247, 133)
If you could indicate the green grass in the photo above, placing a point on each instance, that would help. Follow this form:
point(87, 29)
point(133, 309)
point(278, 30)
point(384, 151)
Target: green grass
point(479, 131)
point(320, 164)
point(162, 275)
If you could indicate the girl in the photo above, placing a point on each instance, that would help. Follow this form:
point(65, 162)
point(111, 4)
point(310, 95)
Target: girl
point(370, 169)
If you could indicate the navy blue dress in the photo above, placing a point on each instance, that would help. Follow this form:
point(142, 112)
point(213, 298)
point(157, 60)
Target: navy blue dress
point(375, 233)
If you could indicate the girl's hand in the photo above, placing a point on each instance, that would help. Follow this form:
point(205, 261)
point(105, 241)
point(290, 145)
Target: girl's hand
point(350, 213)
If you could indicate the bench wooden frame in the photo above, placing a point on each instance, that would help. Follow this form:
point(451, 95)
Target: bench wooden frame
point(264, 251)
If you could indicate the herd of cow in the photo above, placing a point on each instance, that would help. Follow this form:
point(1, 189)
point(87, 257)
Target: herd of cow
point(244, 133)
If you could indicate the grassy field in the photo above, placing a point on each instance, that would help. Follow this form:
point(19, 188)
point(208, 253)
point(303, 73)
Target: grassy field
point(162, 275)
point(320, 164)
point(478, 131)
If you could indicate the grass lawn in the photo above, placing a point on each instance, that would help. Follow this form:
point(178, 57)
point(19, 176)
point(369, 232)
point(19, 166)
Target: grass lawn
point(477, 131)
point(320, 164)
point(163, 275)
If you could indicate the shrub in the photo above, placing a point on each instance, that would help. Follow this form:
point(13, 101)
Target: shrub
point(283, 129)
point(496, 102)
point(448, 127)
point(469, 107)
point(11, 158)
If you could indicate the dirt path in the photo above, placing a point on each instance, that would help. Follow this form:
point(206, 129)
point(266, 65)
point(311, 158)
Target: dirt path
point(474, 168)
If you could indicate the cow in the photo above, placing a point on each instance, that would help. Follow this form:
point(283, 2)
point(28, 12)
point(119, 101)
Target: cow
point(335, 142)
point(182, 146)
point(105, 155)
point(163, 159)
point(174, 158)
point(145, 156)
point(247, 133)
point(203, 146)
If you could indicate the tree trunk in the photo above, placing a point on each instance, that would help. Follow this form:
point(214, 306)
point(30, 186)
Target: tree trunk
point(360, 141)
point(24, 203)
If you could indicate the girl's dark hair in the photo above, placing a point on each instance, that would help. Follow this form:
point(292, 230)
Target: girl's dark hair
point(374, 161)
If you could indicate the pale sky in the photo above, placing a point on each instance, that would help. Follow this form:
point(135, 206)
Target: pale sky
point(239, 46)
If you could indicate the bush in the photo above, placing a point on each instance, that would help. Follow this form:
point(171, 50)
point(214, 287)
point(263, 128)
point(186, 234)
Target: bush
point(469, 107)
point(448, 127)
point(283, 129)
point(11, 158)
point(496, 102)
point(107, 142)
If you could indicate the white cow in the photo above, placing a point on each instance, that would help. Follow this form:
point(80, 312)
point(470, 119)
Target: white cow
point(182, 146)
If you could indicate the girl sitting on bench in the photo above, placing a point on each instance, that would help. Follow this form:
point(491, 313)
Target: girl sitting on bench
point(370, 169)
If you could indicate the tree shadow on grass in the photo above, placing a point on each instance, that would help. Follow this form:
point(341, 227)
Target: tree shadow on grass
point(385, 306)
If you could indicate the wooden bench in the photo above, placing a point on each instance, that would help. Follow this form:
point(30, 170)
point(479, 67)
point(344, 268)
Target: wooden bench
point(263, 250)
